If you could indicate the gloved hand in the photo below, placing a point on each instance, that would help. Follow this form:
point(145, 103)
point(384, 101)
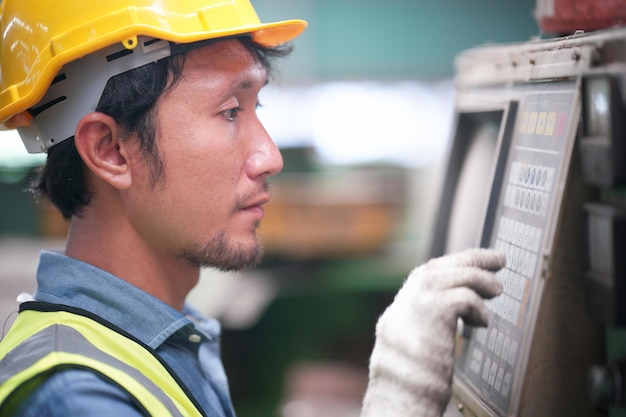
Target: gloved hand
point(412, 364)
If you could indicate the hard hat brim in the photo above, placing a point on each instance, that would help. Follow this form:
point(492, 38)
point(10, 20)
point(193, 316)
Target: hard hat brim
point(274, 34)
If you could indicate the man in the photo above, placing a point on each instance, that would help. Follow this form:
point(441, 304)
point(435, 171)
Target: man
point(155, 153)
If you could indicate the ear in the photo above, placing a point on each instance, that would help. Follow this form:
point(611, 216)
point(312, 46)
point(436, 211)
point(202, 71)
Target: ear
point(98, 141)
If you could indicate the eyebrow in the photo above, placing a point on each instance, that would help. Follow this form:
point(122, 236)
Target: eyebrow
point(247, 84)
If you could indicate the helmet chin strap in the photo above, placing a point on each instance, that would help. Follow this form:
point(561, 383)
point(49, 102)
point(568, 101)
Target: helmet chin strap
point(77, 88)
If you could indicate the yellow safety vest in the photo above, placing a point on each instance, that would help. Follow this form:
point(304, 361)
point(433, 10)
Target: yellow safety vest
point(47, 337)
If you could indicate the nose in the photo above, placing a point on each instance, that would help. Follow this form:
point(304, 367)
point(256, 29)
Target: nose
point(266, 159)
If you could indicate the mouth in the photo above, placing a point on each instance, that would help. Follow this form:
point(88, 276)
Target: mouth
point(254, 206)
point(253, 201)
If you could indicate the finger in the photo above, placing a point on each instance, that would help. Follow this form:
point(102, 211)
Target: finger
point(468, 305)
point(488, 259)
point(484, 283)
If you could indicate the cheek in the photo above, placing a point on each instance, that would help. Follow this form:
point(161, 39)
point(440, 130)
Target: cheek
point(203, 159)
point(205, 180)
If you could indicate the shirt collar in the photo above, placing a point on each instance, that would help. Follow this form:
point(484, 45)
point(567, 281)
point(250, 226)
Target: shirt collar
point(65, 280)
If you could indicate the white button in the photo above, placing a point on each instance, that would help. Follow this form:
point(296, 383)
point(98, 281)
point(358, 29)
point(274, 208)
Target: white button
point(499, 342)
point(194, 338)
point(527, 264)
point(522, 261)
point(492, 373)
point(477, 360)
point(499, 377)
point(506, 384)
point(492, 339)
point(519, 288)
point(515, 313)
point(537, 240)
point(505, 348)
point(486, 368)
point(481, 335)
point(512, 353)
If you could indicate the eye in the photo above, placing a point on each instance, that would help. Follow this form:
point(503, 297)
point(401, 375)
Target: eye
point(231, 114)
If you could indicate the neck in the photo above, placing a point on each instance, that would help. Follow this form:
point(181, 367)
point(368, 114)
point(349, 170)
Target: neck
point(111, 244)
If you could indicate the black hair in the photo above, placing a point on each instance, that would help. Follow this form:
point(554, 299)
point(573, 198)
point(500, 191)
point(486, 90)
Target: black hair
point(129, 98)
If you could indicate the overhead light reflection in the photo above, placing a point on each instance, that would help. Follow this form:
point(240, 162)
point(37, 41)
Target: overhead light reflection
point(405, 123)
point(13, 154)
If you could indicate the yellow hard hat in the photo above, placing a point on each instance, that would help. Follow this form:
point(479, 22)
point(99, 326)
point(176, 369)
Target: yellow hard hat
point(39, 37)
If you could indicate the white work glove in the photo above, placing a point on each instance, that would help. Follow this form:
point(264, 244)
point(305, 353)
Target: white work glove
point(412, 363)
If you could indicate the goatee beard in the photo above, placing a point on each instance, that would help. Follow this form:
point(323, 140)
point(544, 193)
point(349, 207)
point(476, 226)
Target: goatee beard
point(221, 254)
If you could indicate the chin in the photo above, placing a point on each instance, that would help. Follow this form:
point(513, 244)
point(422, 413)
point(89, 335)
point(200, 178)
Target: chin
point(225, 253)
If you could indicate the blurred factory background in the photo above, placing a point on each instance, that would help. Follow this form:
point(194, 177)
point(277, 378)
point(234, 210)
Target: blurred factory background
point(362, 111)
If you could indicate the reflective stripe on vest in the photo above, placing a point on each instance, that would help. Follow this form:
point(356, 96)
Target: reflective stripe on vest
point(42, 341)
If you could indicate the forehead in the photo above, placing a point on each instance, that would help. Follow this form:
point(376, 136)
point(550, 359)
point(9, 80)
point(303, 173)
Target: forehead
point(227, 57)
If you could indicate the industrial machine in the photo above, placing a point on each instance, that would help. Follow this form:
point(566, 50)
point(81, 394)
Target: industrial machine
point(535, 170)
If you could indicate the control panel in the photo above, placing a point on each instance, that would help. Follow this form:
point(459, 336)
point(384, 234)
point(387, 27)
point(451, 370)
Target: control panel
point(492, 359)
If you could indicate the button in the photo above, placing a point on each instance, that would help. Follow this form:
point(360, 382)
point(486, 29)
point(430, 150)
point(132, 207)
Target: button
point(499, 378)
point(477, 360)
point(492, 339)
point(194, 338)
point(486, 368)
point(481, 335)
point(506, 384)
point(505, 348)
point(539, 205)
point(492, 374)
point(512, 353)
point(499, 343)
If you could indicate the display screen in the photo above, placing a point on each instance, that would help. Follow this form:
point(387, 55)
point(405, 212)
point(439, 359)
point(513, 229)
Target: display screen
point(492, 360)
point(465, 191)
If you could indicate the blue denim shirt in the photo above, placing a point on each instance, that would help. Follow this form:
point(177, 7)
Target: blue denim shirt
point(188, 342)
